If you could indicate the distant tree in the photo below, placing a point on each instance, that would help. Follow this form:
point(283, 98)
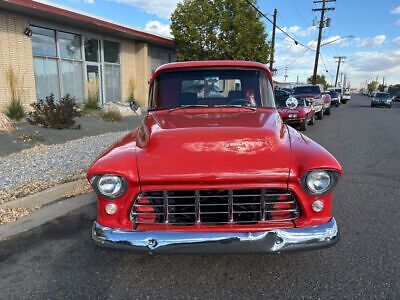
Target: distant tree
point(381, 88)
point(372, 86)
point(219, 29)
point(320, 80)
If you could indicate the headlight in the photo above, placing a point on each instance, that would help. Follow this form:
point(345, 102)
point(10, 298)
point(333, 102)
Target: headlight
point(319, 182)
point(292, 116)
point(109, 186)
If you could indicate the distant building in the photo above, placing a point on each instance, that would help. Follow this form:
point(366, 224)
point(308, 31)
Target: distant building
point(57, 50)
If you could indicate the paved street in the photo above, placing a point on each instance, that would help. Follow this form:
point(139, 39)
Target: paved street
point(58, 260)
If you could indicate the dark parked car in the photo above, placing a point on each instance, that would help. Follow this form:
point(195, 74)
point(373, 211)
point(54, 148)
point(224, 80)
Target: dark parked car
point(382, 99)
point(335, 98)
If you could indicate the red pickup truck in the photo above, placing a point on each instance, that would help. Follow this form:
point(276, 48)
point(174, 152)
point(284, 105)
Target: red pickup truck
point(214, 172)
point(319, 100)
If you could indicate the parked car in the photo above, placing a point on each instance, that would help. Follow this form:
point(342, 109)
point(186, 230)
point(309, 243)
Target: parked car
point(314, 94)
point(382, 99)
point(219, 175)
point(338, 90)
point(346, 97)
point(296, 112)
point(281, 95)
point(335, 98)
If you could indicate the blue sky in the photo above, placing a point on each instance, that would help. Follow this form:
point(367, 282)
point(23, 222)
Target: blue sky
point(373, 52)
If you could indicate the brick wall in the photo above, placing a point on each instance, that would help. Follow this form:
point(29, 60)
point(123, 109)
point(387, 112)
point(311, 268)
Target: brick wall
point(16, 51)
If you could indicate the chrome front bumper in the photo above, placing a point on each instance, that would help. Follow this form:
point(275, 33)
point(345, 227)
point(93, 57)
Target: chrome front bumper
point(272, 241)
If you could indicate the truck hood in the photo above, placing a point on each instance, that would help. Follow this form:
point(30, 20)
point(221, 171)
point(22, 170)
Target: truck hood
point(215, 146)
point(303, 96)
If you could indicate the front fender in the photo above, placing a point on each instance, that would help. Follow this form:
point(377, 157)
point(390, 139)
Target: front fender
point(307, 155)
point(119, 159)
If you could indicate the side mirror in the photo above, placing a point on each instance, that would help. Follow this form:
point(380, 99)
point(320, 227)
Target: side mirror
point(134, 105)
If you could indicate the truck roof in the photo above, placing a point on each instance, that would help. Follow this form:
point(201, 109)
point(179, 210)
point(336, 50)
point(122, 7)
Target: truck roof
point(212, 64)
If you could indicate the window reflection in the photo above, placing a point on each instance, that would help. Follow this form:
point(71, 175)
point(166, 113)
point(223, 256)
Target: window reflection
point(70, 45)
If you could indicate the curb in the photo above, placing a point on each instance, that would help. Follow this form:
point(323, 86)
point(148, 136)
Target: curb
point(47, 196)
point(53, 204)
point(45, 214)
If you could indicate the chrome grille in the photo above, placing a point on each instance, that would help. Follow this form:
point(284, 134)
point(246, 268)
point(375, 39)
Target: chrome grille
point(238, 206)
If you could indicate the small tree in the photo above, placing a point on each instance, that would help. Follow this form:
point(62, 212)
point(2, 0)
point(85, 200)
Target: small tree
point(131, 90)
point(320, 80)
point(219, 29)
point(93, 86)
point(15, 82)
point(372, 86)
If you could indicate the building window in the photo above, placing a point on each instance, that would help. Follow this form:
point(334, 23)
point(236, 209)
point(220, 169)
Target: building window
point(46, 77)
point(70, 45)
point(160, 57)
point(112, 82)
point(43, 42)
point(72, 78)
point(92, 50)
point(61, 59)
point(111, 52)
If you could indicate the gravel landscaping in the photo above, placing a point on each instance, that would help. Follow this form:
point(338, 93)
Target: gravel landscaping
point(40, 167)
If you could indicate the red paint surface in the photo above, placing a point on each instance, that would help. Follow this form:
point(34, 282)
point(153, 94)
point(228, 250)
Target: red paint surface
point(217, 148)
point(303, 112)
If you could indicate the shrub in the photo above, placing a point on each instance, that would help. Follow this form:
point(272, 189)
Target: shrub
point(111, 116)
point(54, 115)
point(14, 109)
point(131, 90)
point(92, 101)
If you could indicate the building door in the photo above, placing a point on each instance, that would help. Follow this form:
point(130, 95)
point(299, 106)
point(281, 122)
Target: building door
point(94, 82)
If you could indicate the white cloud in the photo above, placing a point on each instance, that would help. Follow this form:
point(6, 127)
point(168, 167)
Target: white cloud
point(335, 39)
point(160, 8)
point(370, 42)
point(397, 22)
point(396, 40)
point(88, 1)
point(159, 28)
point(396, 10)
point(298, 31)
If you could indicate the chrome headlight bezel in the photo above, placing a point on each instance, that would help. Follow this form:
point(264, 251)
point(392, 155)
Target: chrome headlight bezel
point(96, 181)
point(333, 179)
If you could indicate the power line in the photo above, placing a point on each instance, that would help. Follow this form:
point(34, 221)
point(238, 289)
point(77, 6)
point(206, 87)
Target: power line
point(295, 60)
point(279, 28)
point(300, 13)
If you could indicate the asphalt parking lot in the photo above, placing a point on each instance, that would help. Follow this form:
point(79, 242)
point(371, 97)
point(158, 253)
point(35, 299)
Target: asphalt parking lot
point(58, 259)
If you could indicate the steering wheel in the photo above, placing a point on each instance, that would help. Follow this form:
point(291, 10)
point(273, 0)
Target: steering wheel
point(243, 102)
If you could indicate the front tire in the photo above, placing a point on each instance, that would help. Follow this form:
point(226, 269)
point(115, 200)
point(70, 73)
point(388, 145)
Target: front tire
point(328, 111)
point(344, 101)
point(320, 115)
point(312, 121)
point(372, 105)
point(303, 125)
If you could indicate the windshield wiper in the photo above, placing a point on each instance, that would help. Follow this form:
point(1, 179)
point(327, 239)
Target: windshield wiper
point(236, 105)
point(188, 106)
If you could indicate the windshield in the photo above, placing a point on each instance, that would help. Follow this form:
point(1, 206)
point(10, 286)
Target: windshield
point(312, 89)
point(382, 95)
point(211, 88)
point(334, 94)
point(282, 102)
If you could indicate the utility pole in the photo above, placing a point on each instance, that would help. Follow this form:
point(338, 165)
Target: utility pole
point(340, 59)
point(322, 24)
point(286, 75)
point(271, 60)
